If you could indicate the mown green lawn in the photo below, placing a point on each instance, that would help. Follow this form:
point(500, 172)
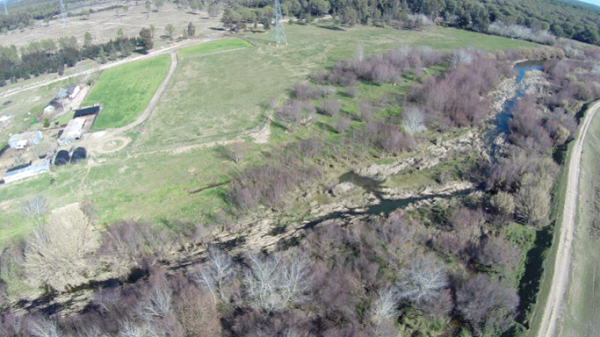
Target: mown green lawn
point(213, 46)
point(126, 90)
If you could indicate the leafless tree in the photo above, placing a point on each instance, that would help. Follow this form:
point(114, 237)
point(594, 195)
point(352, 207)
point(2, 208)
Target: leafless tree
point(413, 119)
point(157, 301)
point(35, 208)
point(384, 308)
point(131, 329)
point(218, 270)
point(366, 110)
point(236, 151)
point(274, 281)
point(461, 57)
point(533, 199)
point(503, 203)
point(57, 251)
point(341, 123)
point(44, 328)
point(424, 280)
point(331, 107)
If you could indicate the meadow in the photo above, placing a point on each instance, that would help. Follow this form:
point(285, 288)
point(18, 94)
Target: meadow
point(218, 92)
point(217, 96)
point(582, 307)
point(125, 91)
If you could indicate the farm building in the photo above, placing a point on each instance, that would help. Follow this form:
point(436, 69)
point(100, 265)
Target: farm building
point(73, 91)
point(68, 92)
point(93, 110)
point(72, 132)
point(26, 171)
point(21, 140)
point(62, 158)
point(78, 155)
point(52, 106)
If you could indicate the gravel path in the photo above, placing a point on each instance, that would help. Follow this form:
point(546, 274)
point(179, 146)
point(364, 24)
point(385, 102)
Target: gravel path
point(560, 279)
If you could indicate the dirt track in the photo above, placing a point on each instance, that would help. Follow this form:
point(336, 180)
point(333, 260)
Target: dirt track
point(152, 53)
point(562, 263)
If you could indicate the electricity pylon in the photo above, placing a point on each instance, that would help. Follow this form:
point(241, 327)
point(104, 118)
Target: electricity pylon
point(5, 10)
point(63, 12)
point(277, 34)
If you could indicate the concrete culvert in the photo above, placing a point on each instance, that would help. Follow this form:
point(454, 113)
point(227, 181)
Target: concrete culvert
point(78, 155)
point(62, 158)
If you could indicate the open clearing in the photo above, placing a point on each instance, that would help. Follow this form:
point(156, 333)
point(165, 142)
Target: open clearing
point(126, 90)
point(582, 302)
point(217, 96)
point(217, 93)
point(105, 24)
point(214, 46)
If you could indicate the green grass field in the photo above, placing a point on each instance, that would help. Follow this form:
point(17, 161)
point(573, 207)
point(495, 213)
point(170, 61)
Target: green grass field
point(582, 305)
point(213, 47)
point(126, 90)
point(216, 96)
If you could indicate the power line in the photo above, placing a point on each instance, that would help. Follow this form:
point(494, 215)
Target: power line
point(278, 35)
point(63, 12)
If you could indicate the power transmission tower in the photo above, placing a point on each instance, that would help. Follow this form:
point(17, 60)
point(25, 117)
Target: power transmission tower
point(63, 12)
point(278, 34)
point(5, 10)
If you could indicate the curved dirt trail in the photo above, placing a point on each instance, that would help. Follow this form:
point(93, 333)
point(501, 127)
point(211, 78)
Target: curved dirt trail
point(562, 263)
point(101, 138)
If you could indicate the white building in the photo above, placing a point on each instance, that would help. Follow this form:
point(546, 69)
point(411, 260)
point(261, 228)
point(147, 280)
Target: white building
point(72, 132)
point(30, 138)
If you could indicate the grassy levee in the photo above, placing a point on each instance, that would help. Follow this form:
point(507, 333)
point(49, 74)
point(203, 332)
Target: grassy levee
point(582, 300)
point(535, 315)
point(213, 47)
point(126, 90)
point(214, 96)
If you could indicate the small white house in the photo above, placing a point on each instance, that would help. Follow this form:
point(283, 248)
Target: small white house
point(24, 139)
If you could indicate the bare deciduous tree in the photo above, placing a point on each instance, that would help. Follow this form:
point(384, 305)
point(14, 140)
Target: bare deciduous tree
point(44, 328)
point(384, 307)
point(35, 208)
point(236, 151)
point(157, 299)
point(274, 281)
point(426, 278)
point(216, 273)
point(413, 120)
point(57, 251)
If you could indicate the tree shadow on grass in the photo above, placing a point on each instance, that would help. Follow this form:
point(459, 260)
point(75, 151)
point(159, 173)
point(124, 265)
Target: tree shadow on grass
point(332, 27)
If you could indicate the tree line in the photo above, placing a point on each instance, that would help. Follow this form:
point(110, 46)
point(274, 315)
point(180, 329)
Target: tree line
point(562, 19)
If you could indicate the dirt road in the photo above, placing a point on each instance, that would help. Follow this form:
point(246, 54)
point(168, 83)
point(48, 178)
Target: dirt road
point(97, 141)
point(152, 53)
point(562, 264)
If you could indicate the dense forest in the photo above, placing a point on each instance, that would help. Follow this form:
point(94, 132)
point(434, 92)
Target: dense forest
point(574, 20)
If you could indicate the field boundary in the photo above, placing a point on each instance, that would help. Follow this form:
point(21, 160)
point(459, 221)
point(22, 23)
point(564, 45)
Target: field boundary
point(553, 288)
